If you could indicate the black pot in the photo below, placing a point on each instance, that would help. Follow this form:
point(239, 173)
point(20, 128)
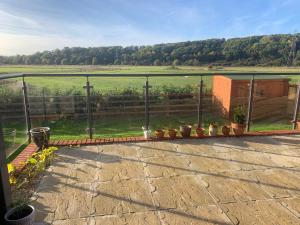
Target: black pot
point(185, 130)
point(40, 136)
point(22, 215)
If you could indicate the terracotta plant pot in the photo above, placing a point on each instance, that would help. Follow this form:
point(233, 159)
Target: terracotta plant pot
point(200, 131)
point(213, 130)
point(298, 125)
point(185, 131)
point(238, 129)
point(225, 130)
point(159, 133)
point(172, 133)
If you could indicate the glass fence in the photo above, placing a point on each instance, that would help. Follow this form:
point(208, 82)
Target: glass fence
point(108, 106)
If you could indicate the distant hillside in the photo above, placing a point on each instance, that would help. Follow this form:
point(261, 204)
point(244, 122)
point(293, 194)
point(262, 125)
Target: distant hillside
point(268, 50)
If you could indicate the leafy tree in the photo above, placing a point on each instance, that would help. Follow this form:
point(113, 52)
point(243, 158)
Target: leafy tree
point(255, 50)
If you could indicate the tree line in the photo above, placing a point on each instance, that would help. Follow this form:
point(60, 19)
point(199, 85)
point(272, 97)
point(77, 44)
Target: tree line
point(266, 50)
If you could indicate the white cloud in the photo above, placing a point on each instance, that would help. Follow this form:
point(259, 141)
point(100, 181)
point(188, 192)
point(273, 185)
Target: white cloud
point(9, 22)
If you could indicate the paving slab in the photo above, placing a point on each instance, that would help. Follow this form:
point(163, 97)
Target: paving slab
point(179, 192)
point(293, 204)
point(167, 166)
point(278, 183)
point(120, 169)
point(201, 215)
point(123, 196)
point(128, 150)
point(63, 202)
point(145, 218)
point(157, 149)
point(67, 172)
point(234, 187)
point(260, 212)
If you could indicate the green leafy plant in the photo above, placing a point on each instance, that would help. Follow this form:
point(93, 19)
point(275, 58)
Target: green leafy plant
point(239, 115)
point(24, 181)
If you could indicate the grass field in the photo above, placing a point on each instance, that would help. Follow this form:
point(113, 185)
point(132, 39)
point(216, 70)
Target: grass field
point(104, 85)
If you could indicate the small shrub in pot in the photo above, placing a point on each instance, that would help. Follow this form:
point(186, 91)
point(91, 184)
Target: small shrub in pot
point(239, 118)
point(172, 133)
point(159, 133)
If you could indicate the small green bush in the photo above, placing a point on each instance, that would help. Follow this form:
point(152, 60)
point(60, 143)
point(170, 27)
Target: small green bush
point(239, 115)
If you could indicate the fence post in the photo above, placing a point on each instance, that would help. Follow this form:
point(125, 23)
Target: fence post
point(88, 106)
point(44, 106)
point(26, 109)
point(296, 110)
point(250, 103)
point(200, 103)
point(5, 191)
point(146, 99)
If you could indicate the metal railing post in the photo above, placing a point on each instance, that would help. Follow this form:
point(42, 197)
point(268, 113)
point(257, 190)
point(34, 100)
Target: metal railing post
point(44, 106)
point(250, 103)
point(5, 191)
point(88, 106)
point(200, 103)
point(26, 110)
point(146, 99)
point(296, 110)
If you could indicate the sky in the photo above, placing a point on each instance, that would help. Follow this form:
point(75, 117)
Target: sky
point(28, 26)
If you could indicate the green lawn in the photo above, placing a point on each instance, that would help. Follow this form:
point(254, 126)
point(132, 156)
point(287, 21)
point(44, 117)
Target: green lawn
point(107, 84)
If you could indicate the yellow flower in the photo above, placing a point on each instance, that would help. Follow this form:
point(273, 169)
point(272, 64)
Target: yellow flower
point(11, 168)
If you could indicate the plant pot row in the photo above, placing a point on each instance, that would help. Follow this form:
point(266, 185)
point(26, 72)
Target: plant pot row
point(185, 131)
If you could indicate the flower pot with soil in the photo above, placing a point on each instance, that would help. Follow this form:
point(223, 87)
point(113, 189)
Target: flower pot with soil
point(225, 130)
point(239, 117)
point(185, 130)
point(172, 133)
point(298, 125)
point(200, 131)
point(147, 133)
point(41, 136)
point(159, 133)
point(213, 129)
point(21, 215)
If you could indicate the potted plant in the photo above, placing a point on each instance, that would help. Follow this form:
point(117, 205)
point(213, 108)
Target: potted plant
point(40, 136)
point(185, 130)
point(199, 131)
point(239, 119)
point(225, 130)
point(213, 129)
point(298, 125)
point(20, 215)
point(147, 133)
point(172, 133)
point(22, 181)
point(159, 133)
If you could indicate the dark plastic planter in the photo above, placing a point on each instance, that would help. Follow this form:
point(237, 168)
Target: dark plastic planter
point(40, 136)
point(22, 215)
point(185, 131)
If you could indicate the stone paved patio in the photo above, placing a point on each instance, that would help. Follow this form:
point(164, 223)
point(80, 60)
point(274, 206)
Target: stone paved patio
point(252, 180)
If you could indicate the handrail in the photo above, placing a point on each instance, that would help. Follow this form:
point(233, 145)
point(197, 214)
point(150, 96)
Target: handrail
point(17, 75)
